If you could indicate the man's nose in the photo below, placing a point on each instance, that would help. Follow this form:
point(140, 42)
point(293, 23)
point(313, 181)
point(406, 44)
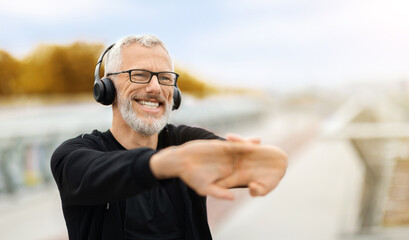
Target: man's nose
point(153, 86)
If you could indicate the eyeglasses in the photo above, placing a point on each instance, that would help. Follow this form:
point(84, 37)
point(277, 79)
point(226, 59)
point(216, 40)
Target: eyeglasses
point(144, 76)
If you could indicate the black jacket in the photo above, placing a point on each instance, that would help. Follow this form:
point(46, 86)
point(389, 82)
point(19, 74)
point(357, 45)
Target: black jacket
point(95, 179)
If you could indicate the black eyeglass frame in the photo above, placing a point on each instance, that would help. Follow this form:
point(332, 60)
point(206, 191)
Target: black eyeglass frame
point(152, 74)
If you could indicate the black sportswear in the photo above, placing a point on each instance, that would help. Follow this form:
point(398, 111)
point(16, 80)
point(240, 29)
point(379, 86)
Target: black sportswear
point(108, 192)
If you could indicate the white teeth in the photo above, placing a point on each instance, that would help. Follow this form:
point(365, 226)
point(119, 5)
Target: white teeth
point(149, 104)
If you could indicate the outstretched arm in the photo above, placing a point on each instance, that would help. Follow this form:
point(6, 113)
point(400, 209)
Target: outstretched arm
point(210, 167)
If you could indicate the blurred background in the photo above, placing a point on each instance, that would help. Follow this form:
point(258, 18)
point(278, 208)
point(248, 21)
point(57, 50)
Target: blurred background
point(327, 81)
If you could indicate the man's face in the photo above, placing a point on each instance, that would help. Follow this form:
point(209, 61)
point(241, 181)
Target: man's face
point(145, 107)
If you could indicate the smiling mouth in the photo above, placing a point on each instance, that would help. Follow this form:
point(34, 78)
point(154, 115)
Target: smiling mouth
point(148, 104)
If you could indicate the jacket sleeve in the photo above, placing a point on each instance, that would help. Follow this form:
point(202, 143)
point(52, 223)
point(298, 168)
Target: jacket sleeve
point(85, 175)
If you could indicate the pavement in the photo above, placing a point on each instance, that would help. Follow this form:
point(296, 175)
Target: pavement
point(317, 199)
point(35, 215)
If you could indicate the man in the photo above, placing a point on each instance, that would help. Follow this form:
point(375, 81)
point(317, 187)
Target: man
point(144, 178)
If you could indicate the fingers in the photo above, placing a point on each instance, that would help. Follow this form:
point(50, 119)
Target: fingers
point(236, 138)
point(255, 140)
point(213, 166)
point(238, 148)
point(218, 192)
point(231, 181)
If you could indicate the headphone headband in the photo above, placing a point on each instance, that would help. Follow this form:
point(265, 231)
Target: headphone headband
point(98, 67)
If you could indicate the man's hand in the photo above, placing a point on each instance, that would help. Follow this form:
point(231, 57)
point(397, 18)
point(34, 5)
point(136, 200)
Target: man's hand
point(210, 167)
point(261, 169)
point(265, 177)
point(200, 164)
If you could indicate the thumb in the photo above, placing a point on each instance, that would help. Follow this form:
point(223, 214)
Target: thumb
point(233, 181)
point(257, 189)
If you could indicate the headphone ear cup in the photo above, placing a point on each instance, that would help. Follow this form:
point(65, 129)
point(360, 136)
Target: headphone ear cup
point(177, 98)
point(104, 91)
point(110, 91)
point(98, 91)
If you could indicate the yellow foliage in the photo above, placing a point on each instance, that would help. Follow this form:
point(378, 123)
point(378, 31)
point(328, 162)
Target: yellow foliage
point(54, 69)
point(190, 84)
point(59, 69)
point(9, 72)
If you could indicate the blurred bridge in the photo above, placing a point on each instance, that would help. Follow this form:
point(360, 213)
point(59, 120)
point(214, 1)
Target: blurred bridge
point(379, 133)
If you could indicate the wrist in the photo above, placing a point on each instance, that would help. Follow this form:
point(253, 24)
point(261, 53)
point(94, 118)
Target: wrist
point(165, 163)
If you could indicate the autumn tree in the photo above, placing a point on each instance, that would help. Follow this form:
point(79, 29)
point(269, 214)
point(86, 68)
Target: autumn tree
point(60, 69)
point(187, 83)
point(9, 73)
point(55, 69)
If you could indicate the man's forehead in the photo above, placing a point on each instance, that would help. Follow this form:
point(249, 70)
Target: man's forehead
point(137, 54)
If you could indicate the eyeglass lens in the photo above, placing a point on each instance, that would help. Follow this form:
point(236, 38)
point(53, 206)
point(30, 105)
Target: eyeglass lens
point(141, 76)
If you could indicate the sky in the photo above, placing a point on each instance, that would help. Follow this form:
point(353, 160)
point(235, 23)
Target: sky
point(275, 44)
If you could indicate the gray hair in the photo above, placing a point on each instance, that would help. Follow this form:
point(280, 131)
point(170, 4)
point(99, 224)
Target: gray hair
point(113, 60)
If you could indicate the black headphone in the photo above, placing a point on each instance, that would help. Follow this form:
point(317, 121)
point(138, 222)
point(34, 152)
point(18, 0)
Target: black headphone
point(104, 89)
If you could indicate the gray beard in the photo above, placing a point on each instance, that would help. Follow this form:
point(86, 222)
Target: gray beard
point(141, 125)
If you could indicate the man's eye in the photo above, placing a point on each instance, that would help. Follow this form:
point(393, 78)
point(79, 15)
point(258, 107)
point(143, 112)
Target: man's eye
point(165, 79)
point(138, 75)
